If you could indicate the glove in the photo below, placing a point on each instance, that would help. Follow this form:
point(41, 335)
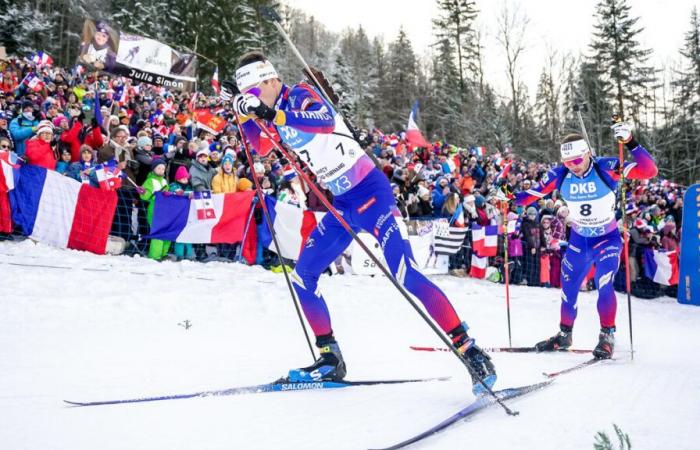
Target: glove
point(622, 131)
point(140, 190)
point(247, 104)
point(228, 90)
point(167, 193)
point(81, 117)
point(93, 123)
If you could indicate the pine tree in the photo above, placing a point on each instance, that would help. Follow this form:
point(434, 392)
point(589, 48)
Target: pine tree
point(400, 82)
point(681, 161)
point(444, 106)
point(620, 58)
point(456, 24)
point(26, 27)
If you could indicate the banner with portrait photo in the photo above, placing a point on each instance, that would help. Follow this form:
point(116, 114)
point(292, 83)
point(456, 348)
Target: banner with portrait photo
point(139, 58)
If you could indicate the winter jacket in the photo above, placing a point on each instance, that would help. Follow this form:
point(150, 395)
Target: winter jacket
point(532, 234)
point(175, 186)
point(201, 176)
point(153, 184)
point(39, 153)
point(71, 137)
point(21, 130)
point(223, 183)
point(94, 138)
point(75, 169)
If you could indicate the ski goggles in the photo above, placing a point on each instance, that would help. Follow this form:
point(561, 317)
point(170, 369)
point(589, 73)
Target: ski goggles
point(573, 162)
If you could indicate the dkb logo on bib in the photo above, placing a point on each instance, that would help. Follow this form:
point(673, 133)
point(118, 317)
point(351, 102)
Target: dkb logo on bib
point(583, 188)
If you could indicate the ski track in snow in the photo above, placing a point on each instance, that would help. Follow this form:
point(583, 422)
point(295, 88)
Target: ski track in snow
point(105, 327)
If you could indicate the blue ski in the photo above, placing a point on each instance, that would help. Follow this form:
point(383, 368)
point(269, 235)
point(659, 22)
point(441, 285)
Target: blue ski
point(280, 385)
point(480, 403)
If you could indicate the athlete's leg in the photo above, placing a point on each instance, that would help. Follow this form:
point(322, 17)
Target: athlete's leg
point(574, 267)
point(324, 245)
point(378, 215)
point(607, 262)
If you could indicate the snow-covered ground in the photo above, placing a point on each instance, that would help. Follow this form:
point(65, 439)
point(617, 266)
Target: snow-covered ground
point(102, 327)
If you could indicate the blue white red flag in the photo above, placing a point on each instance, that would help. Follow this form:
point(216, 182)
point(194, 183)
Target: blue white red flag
point(61, 211)
point(661, 266)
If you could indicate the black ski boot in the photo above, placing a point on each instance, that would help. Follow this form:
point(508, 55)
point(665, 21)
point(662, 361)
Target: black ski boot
point(561, 340)
point(480, 365)
point(606, 343)
point(330, 366)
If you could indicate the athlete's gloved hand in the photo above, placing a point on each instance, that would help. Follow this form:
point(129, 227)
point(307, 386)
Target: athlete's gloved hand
point(622, 131)
point(228, 90)
point(247, 104)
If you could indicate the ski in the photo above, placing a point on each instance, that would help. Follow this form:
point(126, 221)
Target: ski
point(578, 366)
point(480, 403)
point(505, 350)
point(281, 385)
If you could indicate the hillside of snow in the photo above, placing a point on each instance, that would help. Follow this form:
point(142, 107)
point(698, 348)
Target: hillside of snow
point(85, 327)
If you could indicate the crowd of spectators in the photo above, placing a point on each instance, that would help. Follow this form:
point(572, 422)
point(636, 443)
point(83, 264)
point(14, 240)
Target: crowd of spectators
point(78, 120)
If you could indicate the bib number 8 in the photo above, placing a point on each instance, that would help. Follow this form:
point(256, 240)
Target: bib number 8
point(586, 209)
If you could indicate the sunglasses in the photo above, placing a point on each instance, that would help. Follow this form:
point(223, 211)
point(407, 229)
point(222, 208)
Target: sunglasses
point(573, 162)
point(4, 146)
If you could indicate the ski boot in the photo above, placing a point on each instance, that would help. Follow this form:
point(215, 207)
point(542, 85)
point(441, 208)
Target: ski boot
point(561, 340)
point(606, 343)
point(481, 368)
point(330, 366)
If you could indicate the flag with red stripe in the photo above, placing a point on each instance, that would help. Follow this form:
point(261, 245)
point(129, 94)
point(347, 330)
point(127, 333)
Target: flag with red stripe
point(292, 226)
point(60, 211)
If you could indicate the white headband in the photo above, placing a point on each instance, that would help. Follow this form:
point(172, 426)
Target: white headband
point(254, 73)
point(573, 150)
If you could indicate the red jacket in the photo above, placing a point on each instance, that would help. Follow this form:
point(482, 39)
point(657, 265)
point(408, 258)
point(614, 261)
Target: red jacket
point(39, 153)
point(72, 138)
point(94, 138)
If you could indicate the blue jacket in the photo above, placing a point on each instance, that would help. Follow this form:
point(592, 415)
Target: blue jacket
point(21, 130)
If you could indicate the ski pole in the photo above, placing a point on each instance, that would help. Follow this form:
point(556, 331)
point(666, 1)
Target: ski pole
point(506, 266)
point(625, 234)
point(268, 221)
point(578, 107)
point(331, 209)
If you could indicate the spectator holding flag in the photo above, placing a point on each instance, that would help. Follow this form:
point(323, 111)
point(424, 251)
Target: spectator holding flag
point(4, 131)
point(84, 170)
point(155, 182)
point(182, 186)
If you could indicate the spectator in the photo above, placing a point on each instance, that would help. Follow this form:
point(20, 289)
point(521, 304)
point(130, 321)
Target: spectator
point(532, 240)
point(23, 127)
point(155, 182)
point(38, 149)
point(200, 172)
point(181, 186)
point(64, 163)
point(4, 131)
point(84, 170)
point(226, 180)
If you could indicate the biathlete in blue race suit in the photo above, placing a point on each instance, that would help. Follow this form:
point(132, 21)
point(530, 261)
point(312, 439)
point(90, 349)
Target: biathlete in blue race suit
point(309, 125)
point(588, 186)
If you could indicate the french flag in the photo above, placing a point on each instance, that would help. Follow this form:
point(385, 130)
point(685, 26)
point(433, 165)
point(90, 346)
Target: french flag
point(42, 58)
point(292, 226)
point(485, 240)
point(33, 82)
point(504, 172)
point(60, 211)
point(413, 133)
point(661, 266)
point(479, 152)
point(478, 267)
point(215, 81)
point(108, 176)
point(8, 170)
point(204, 219)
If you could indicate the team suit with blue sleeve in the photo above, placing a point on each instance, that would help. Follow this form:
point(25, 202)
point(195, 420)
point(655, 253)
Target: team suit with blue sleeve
point(308, 124)
point(595, 238)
